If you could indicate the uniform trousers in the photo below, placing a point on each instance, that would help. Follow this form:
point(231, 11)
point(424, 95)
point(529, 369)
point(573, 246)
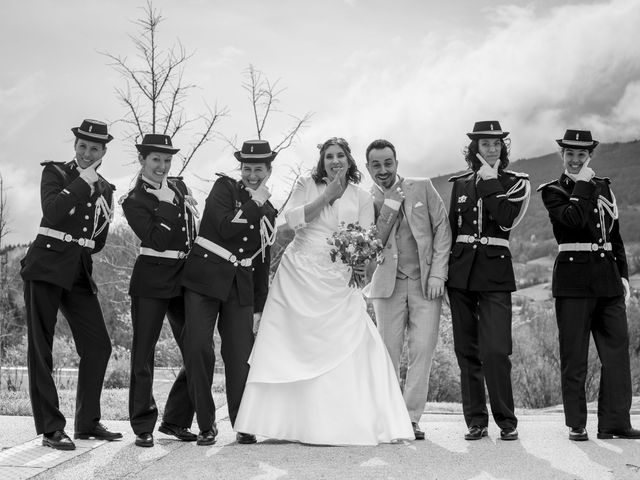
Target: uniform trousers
point(82, 310)
point(147, 315)
point(482, 342)
point(606, 319)
point(235, 325)
point(406, 311)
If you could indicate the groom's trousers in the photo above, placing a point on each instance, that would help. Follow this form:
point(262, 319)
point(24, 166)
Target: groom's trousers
point(406, 310)
point(235, 325)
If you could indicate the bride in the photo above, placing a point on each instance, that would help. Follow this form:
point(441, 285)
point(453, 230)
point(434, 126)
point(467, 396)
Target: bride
point(320, 373)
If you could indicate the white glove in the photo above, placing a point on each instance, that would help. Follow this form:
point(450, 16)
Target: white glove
point(164, 193)
point(260, 195)
point(486, 171)
point(89, 174)
point(586, 173)
point(256, 322)
point(627, 291)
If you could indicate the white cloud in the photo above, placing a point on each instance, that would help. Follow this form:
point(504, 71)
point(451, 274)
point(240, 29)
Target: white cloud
point(575, 65)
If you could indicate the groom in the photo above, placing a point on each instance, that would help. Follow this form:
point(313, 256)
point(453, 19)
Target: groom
point(408, 285)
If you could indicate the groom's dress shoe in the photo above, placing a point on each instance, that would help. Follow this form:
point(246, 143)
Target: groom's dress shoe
point(144, 440)
point(419, 434)
point(630, 432)
point(476, 433)
point(181, 433)
point(58, 440)
point(578, 434)
point(99, 432)
point(245, 438)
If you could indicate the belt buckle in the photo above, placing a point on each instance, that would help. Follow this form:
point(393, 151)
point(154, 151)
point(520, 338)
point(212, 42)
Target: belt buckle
point(233, 259)
point(181, 254)
point(82, 242)
point(245, 262)
point(470, 239)
point(67, 238)
point(484, 240)
point(594, 247)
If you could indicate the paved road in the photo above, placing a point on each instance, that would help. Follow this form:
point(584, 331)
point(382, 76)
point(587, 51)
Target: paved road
point(543, 452)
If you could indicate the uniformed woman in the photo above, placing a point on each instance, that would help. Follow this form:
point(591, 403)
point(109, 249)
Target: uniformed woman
point(161, 212)
point(57, 273)
point(486, 203)
point(590, 285)
point(227, 277)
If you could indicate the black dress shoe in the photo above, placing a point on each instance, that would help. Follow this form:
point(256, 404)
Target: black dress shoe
point(181, 433)
point(208, 437)
point(144, 440)
point(509, 434)
point(419, 434)
point(58, 440)
point(245, 438)
point(578, 434)
point(99, 432)
point(476, 433)
point(618, 432)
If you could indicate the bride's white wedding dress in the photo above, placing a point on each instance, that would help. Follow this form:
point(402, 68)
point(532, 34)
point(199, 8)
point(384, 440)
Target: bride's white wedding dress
point(320, 372)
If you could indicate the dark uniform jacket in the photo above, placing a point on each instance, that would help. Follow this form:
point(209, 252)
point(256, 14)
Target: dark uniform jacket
point(581, 212)
point(160, 226)
point(232, 220)
point(487, 208)
point(68, 206)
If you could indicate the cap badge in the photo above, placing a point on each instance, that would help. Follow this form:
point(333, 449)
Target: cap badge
point(491, 125)
point(252, 149)
point(577, 136)
point(90, 128)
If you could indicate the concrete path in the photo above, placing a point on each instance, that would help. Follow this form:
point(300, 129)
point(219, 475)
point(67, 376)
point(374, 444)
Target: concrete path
point(543, 452)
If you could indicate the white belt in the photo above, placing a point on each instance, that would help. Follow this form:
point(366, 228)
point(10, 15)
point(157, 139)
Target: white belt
point(222, 252)
point(164, 254)
point(583, 247)
point(66, 237)
point(500, 242)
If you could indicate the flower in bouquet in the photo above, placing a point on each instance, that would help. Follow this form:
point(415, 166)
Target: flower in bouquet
point(355, 246)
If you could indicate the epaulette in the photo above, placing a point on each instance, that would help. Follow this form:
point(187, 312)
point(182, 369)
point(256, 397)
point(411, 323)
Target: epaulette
point(604, 179)
point(49, 162)
point(546, 184)
point(224, 175)
point(104, 180)
point(516, 174)
point(462, 175)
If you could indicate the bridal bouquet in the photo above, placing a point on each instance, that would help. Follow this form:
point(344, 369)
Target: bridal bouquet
point(355, 246)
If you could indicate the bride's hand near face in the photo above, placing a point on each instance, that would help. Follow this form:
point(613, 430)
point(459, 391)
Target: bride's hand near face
point(336, 187)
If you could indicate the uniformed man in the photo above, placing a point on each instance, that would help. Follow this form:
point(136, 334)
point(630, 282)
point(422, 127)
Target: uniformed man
point(486, 203)
point(161, 212)
point(226, 277)
point(591, 286)
point(77, 209)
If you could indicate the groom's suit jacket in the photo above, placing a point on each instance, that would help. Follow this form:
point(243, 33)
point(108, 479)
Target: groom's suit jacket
point(427, 218)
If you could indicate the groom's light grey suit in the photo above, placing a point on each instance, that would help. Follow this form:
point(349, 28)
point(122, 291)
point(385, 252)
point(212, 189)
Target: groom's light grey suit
point(417, 248)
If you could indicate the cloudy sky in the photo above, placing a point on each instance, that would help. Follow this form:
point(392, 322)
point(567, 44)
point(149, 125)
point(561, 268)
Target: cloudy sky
point(416, 72)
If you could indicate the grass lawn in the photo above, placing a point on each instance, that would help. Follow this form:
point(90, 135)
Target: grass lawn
point(114, 402)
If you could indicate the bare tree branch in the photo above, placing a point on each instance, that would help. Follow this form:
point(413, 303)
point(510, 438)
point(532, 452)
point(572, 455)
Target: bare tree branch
point(155, 88)
point(265, 97)
point(210, 120)
point(291, 135)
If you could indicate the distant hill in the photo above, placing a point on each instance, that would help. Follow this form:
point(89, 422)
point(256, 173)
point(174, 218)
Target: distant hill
point(618, 161)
